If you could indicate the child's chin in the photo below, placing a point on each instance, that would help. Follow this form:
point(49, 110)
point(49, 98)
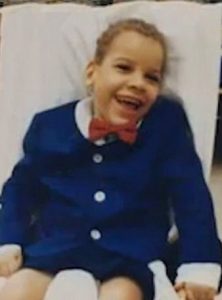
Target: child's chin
point(122, 120)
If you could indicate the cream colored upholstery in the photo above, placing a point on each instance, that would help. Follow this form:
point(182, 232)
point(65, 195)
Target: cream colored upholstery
point(44, 50)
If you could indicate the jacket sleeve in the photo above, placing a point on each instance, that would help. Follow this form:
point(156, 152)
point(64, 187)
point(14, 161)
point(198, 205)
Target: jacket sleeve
point(21, 193)
point(188, 192)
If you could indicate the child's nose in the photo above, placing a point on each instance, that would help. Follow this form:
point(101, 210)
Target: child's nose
point(137, 81)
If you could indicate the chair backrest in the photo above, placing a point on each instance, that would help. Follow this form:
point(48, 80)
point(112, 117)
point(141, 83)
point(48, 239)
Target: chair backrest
point(45, 48)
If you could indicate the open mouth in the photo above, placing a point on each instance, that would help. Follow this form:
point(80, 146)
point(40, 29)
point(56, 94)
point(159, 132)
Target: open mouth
point(130, 102)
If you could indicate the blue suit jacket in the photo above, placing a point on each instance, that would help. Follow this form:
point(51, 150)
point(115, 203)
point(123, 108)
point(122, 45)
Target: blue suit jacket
point(57, 180)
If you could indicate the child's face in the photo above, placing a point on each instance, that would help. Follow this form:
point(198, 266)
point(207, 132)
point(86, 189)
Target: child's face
point(127, 81)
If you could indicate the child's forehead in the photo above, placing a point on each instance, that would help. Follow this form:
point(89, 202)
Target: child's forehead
point(125, 34)
point(130, 41)
point(146, 55)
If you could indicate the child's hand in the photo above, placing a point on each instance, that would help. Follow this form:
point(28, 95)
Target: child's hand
point(193, 291)
point(10, 259)
point(180, 289)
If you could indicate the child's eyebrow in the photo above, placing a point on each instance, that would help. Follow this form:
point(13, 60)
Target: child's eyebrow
point(120, 59)
point(123, 59)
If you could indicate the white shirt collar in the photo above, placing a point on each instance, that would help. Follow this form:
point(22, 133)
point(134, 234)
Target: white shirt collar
point(83, 115)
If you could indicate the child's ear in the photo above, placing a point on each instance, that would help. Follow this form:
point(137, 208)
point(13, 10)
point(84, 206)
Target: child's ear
point(90, 73)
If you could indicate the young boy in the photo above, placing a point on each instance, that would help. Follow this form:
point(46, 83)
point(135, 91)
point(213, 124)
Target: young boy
point(100, 175)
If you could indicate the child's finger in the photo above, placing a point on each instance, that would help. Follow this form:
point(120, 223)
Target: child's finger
point(190, 295)
point(13, 267)
point(179, 286)
point(4, 270)
point(182, 295)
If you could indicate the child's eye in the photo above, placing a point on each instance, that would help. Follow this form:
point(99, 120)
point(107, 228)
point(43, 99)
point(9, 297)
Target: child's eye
point(153, 78)
point(123, 67)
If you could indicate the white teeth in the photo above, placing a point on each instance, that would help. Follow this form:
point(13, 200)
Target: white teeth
point(134, 103)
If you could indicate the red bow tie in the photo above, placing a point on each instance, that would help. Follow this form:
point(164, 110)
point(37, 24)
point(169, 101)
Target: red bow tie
point(100, 128)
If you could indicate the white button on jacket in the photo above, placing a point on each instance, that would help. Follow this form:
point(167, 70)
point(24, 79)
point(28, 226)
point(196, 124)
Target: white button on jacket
point(99, 196)
point(95, 234)
point(97, 158)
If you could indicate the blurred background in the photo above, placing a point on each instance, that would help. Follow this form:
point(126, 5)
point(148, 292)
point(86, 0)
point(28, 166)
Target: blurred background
point(89, 2)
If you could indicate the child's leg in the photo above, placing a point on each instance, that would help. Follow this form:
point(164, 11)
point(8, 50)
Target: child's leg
point(72, 284)
point(26, 284)
point(120, 288)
